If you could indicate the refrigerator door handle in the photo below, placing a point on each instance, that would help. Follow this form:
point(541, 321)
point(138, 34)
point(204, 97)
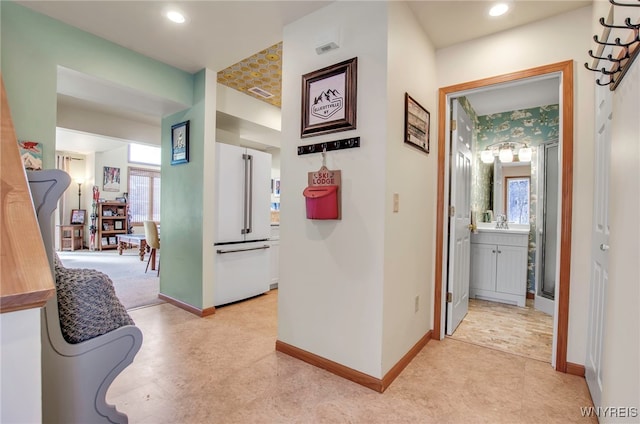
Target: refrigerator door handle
point(245, 158)
point(250, 198)
point(222, 252)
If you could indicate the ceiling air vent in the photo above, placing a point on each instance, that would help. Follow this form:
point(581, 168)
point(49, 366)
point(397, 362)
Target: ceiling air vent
point(260, 92)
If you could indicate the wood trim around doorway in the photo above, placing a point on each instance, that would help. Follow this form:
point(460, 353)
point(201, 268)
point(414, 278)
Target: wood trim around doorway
point(565, 69)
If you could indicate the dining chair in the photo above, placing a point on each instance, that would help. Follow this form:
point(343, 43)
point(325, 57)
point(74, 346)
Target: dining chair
point(153, 241)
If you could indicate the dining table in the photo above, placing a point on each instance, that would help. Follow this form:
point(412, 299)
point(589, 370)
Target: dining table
point(127, 240)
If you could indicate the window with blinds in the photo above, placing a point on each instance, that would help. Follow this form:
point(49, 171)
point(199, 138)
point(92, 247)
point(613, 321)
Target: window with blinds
point(144, 195)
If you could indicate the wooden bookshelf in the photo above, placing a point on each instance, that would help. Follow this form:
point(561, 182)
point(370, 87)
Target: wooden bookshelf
point(112, 220)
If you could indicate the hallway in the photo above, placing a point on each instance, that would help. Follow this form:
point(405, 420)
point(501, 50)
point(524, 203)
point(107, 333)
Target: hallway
point(224, 368)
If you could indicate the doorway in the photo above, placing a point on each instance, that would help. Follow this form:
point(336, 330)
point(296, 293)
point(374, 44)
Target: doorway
point(511, 124)
point(565, 71)
point(98, 124)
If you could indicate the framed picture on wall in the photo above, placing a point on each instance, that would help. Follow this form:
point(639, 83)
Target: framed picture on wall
point(416, 124)
point(180, 143)
point(329, 99)
point(110, 178)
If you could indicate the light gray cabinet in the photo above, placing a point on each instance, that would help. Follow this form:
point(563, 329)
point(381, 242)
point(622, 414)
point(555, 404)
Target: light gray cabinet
point(499, 267)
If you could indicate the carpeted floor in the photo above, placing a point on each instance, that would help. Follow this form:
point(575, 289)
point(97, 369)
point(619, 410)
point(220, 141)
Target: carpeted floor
point(134, 287)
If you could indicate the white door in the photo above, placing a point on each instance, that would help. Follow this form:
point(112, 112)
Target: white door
point(230, 189)
point(600, 237)
point(459, 219)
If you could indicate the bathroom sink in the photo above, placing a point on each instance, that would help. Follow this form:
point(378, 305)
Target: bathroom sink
point(490, 227)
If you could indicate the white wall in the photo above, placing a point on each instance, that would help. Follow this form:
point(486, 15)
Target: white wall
point(208, 187)
point(331, 272)
point(114, 158)
point(20, 376)
point(410, 233)
point(69, 116)
point(560, 38)
point(236, 103)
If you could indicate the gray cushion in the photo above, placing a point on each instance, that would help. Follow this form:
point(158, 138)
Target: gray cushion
point(87, 303)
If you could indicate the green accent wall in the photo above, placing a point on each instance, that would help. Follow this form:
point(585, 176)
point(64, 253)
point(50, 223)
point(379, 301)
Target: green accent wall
point(32, 48)
point(34, 45)
point(182, 205)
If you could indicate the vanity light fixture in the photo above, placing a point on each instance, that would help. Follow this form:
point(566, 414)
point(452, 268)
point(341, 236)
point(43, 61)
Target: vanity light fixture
point(175, 16)
point(486, 156)
point(498, 9)
point(524, 154)
point(506, 154)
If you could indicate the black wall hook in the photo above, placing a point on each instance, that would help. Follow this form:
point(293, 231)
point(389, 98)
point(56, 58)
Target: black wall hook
point(622, 54)
point(615, 3)
point(347, 143)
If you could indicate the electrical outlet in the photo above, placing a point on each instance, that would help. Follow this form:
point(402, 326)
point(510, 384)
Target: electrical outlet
point(417, 305)
point(396, 202)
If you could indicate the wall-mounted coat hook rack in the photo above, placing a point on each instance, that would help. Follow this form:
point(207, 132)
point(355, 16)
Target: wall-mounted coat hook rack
point(619, 54)
point(347, 143)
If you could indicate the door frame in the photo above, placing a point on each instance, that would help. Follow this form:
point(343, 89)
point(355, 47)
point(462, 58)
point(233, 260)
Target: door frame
point(565, 70)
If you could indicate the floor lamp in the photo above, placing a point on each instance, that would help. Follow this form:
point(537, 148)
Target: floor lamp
point(79, 181)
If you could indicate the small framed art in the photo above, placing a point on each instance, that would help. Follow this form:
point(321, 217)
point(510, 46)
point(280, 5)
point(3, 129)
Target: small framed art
point(416, 124)
point(180, 143)
point(78, 216)
point(329, 99)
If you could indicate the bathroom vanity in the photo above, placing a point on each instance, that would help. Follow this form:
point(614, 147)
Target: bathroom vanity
point(499, 263)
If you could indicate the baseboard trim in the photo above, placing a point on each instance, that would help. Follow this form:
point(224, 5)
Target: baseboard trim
point(395, 371)
point(575, 369)
point(531, 295)
point(373, 383)
point(331, 366)
point(189, 308)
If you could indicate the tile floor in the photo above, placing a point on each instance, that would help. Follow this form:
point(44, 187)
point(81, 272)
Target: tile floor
point(224, 369)
point(512, 329)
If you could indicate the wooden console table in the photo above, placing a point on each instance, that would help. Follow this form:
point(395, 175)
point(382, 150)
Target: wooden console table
point(71, 237)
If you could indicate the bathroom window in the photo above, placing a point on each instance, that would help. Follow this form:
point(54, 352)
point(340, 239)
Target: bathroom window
point(517, 199)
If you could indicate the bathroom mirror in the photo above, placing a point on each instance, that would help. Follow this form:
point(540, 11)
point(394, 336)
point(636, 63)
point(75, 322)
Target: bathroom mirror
point(502, 188)
point(512, 190)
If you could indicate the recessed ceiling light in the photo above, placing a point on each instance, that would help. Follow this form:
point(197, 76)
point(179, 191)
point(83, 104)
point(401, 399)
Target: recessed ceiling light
point(499, 9)
point(175, 16)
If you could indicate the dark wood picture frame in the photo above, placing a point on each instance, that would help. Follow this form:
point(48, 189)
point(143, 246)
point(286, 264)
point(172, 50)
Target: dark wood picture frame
point(416, 124)
point(180, 143)
point(78, 216)
point(329, 97)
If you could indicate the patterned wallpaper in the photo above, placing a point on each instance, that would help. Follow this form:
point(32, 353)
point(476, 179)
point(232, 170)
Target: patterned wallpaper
point(262, 70)
point(533, 126)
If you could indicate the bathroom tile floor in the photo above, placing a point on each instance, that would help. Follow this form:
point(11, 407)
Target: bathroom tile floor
point(508, 328)
point(224, 369)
